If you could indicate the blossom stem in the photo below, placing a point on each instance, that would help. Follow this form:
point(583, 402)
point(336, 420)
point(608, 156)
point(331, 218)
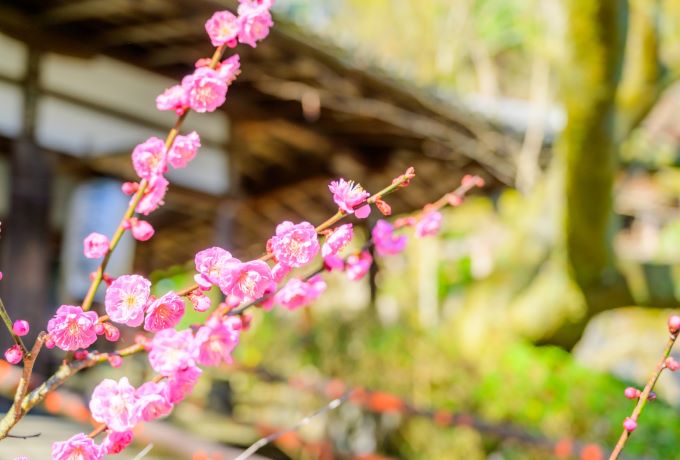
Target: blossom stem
point(8, 323)
point(642, 400)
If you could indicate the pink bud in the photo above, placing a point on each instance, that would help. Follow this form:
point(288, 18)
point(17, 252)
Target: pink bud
point(671, 364)
point(99, 329)
point(130, 187)
point(115, 360)
point(20, 327)
point(200, 302)
point(142, 230)
point(14, 354)
point(143, 340)
point(629, 424)
point(674, 324)
point(454, 200)
point(651, 396)
point(0, 276)
point(631, 393)
point(80, 355)
point(49, 344)
point(111, 332)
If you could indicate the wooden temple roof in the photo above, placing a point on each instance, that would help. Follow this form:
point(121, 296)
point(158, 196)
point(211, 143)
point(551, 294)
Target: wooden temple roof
point(300, 114)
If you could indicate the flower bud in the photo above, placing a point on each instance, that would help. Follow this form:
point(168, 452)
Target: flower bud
point(674, 324)
point(115, 360)
point(629, 424)
point(111, 332)
point(13, 354)
point(671, 364)
point(632, 393)
point(20, 327)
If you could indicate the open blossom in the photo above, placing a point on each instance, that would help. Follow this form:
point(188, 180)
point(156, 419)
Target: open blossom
point(172, 351)
point(182, 382)
point(294, 245)
point(358, 265)
point(78, 447)
point(348, 195)
point(71, 328)
point(386, 242)
point(255, 21)
point(429, 224)
point(246, 281)
point(297, 293)
point(164, 312)
point(222, 28)
point(216, 340)
point(152, 401)
point(153, 196)
point(174, 98)
point(95, 245)
point(337, 240)
point(116, 441)
point(230, 68)
point(126, 299)
point(113, 403)
point(210, 263)
point(148, 158)
point(206, 89)
point(184, 150)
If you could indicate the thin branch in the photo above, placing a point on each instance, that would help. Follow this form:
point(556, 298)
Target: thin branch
point(8, 323)
point(642, 400)
point(27, 436)
point(143, 453)
point(334, 404)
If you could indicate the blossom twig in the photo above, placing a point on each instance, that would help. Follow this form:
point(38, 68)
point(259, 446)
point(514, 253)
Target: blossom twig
point(334, 404)
point(644, 395)
point(8, 323)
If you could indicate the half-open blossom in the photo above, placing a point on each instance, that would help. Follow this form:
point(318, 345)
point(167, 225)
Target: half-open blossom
point(126, 299)
point(153, 196)
point(116, 441)
point(210, 263)
point(152, 401)
point(182, 382)
point(164, 312)
point(297, 293)
point(184, 150)
point(174, 98)
point(429, 224)
point(141, 230)
point(357, 265)
point(95, 245)
point(148, 158)
point(229, 69)
point(217, 339)
point(71, 328)
point(206, 89)
point(78, 447)
point(14, 355)
point(172, 351)
point(337, 240)
point(223, 28)
point(255, 21)
point(348, 195)
point(386, 242)
point(294, 245)
point(113, 403)
point(200, 301)
point(246, 281)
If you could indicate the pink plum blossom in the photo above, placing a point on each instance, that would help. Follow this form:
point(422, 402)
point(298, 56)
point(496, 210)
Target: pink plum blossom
point(174, 98)
point(126, 299)
point(172, 351)
point(255, 21)
point(348, 195)
point(297, 293)
point(113, 403)
point(148, 158)
point(71, 328)
point(206, 89)
point(222, 28)
point(152, 401)
point(358, 265)
point(153, 196)
point(333, 262)
point(279, 272)
point(141, 230)
point(164, 312)
point(337, 240)
point(246, 281)
point(182, 382)
point(116, 441)
point(386, 242)
point(14, 355)
point(200, 301)
point(216, 340)
point(429, 224)
point(294, 245)
point(95, 245)
point(230, 68)
point(78, 447)
point(210, 264)
point(184, 150)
